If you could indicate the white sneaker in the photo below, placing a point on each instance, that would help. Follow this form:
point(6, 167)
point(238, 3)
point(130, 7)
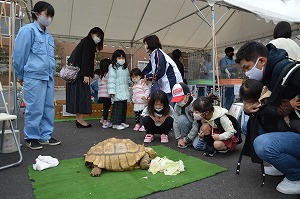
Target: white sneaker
point(289, 187)
point(272, 171)
point(125, 125)
point(118, 127)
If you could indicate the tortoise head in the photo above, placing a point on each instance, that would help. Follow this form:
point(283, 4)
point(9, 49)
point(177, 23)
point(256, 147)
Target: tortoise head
point(152, 154)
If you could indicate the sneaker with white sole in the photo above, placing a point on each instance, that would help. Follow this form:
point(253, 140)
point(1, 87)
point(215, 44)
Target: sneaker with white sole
point(107, 125)
point(125, 125)
point(289, 187)
point(118, 127)
point(272, 171)
point(51, 142)
point(33, 144)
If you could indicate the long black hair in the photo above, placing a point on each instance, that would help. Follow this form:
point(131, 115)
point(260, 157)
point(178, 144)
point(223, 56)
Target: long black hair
point(161, 96)
point(118, 53)
point(100, 34)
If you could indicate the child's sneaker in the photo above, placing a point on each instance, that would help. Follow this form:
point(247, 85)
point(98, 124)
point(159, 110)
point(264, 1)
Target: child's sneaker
point(164, 138)
point(107, 125)
point(142, 129)
point(223, 151)
point(148, 138)
point(125, 125)
point(118, 127)
point(136, 127)
point(210, 151)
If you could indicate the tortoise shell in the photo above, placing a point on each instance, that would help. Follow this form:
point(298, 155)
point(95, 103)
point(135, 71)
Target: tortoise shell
point(115, 154)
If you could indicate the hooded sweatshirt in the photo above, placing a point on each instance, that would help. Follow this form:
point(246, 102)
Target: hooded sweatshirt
point(220, 112)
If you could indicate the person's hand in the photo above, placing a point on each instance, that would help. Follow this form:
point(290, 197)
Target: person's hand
point(200, 133)
point(144, 80)
point(215, 136)
point(112, 95)
point(144, 98)
point(250, 107)
point(295, 103)
point(182, 142)
point(228, 73)
point(86, 80)
point(20, 81)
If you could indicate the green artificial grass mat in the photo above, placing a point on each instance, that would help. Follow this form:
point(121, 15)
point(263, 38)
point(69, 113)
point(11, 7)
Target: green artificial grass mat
point(71, 179)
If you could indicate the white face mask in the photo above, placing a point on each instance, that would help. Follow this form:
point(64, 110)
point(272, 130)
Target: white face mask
point(45, 21)
point(146, 48)
point(96, 39)
point(181, 103)
point(255, 73)
point(159, 109)
point(121, 61)
point(197, 116)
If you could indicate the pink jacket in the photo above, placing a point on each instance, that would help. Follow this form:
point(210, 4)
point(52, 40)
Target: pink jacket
point(102, 86)
point(139, 90)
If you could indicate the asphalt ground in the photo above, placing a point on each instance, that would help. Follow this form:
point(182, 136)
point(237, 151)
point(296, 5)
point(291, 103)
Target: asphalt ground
point(15, 183)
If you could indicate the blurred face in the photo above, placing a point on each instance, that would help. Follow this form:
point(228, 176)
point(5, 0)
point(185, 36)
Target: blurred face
point(158, 105)
point(135, 79)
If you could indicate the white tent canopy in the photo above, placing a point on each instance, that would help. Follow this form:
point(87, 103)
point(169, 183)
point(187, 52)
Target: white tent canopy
point(176, 22)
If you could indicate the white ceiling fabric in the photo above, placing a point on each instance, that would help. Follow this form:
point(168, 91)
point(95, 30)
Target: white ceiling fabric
point(129, 21)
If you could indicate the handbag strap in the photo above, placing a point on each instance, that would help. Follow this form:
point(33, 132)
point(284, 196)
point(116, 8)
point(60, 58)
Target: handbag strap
point(157, 65)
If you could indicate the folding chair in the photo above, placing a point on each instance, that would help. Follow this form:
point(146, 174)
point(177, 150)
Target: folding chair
point(7, 117)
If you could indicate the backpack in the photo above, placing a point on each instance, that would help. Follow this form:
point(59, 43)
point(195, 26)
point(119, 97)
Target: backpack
point(236, 126)
point(267, 118)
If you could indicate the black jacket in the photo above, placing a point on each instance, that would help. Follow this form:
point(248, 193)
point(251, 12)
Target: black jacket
point(277, 60)
point(83, 56)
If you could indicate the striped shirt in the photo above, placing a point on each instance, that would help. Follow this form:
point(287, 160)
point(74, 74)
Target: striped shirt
point(102, 86)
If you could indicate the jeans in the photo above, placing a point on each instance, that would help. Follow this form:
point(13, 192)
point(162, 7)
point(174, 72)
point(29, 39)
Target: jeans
point(199, 144)
point(282, 150)
point(185, 125)
point(229, 95)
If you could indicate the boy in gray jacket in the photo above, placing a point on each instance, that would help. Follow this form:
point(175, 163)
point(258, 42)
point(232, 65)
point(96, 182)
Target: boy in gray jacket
point(184, 126)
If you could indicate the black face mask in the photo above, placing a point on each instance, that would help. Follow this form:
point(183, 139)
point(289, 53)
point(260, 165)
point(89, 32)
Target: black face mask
point(230, 55)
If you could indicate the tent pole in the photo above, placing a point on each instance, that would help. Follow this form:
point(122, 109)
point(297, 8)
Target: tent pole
point(213, 49)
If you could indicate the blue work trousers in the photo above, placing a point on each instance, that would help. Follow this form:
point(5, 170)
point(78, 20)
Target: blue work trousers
point(39, 111)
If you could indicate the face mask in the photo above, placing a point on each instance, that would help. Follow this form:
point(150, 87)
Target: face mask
point(159, 109)
point(181, 103)
point(255, 73)
point(121, 61)
point(197, 116)
point(45, 21)
point(96, 39)
point(146, 48)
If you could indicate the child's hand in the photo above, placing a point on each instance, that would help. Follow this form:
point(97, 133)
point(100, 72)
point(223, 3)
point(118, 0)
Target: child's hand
point(200, 133)
point(112, 95)
point(295, 103)
point(215, 136)
point(144, 98)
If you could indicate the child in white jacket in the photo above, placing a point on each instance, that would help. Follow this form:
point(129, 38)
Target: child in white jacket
point(209, 131)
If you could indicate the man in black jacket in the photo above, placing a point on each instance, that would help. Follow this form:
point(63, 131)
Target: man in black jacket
point(281, 149)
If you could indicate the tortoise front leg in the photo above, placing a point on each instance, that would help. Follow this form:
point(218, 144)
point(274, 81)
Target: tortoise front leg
point(96, 171)
point(145, 162)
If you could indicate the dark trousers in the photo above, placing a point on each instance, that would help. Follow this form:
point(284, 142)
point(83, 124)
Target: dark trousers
point(138, 116)
point(151, 128)
point(118, 114)
point(106, 101)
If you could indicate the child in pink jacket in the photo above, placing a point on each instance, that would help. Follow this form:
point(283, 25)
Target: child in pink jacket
point(140, 95)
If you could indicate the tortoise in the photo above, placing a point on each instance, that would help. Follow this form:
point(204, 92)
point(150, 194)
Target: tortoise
point(118, 155)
